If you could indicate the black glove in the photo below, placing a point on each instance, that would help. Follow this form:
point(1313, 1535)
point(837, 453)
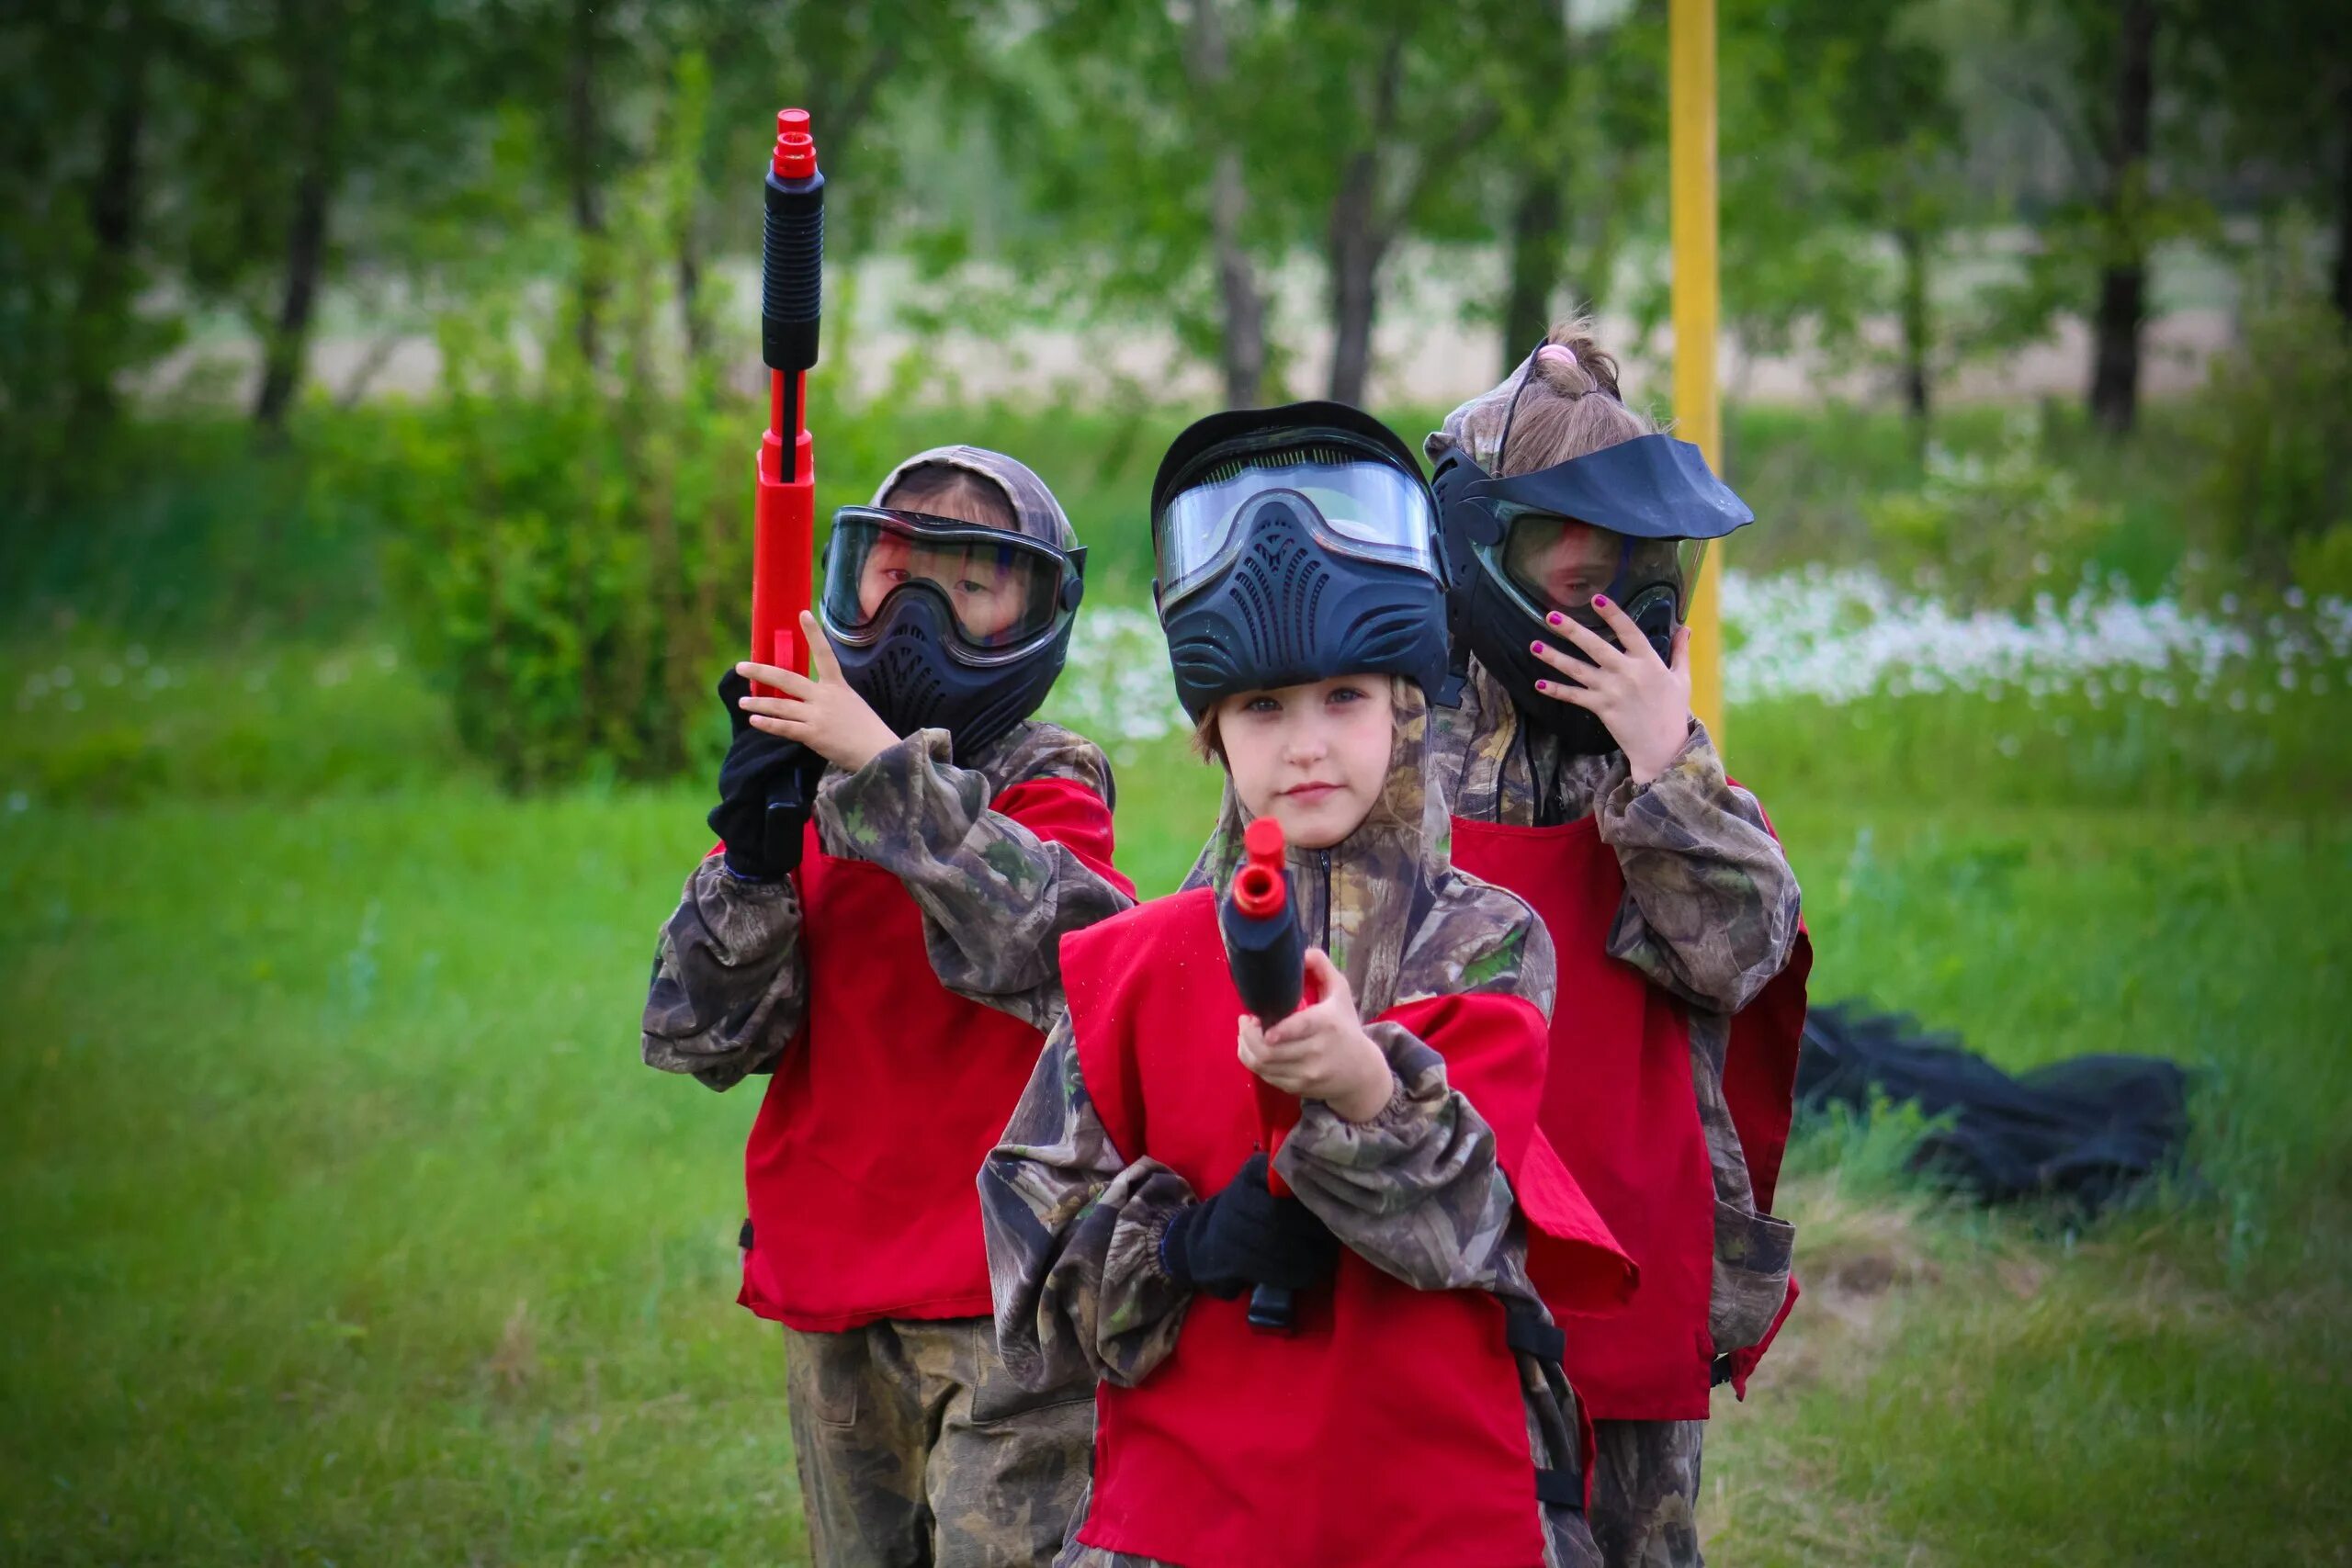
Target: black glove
point(1244, 1236)
point(761, 769)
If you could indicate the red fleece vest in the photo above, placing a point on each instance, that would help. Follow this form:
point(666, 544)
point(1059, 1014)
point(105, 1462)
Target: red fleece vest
point(860, 1167)
point(1620, 1106)
point(1389, 1428)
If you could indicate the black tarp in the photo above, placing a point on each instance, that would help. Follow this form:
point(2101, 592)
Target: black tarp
point(2085, 1131)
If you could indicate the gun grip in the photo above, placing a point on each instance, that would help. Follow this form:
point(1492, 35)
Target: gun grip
point(788, 814)
point(1273, 1309)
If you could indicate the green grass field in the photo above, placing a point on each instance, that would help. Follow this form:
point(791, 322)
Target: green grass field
point(344, 1227)
point(343, 1224)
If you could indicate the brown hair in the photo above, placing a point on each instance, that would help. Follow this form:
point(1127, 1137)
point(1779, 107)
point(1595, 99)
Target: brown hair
point(1206, 744)
point(942, 489)
point(1570, 407)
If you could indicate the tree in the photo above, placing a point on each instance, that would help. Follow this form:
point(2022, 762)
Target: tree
point(1577, 156)
point(2281, 70)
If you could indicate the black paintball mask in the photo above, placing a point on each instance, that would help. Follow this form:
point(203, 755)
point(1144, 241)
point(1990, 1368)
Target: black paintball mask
point(1294, 545)
point(944, 624)
point(1630, 522)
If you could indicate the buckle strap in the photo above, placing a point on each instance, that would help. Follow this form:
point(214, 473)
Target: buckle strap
point(1525, 1331)
point(1560, 1489)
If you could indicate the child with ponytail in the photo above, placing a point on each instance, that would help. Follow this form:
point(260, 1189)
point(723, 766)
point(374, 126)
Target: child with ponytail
point(1580, 781)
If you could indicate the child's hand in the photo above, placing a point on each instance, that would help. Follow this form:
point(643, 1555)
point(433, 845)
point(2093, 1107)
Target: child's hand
point(1644, 704)
point(827, 715)
point(1322, 1052)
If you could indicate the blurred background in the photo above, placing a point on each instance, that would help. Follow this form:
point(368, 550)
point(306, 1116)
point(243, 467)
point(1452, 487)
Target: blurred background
point(379, 391)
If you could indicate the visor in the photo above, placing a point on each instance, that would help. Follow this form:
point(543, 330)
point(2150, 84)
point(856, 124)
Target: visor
point(1004, 592)
point(1354, 506)
point(1653, 486)
point(1558, 563)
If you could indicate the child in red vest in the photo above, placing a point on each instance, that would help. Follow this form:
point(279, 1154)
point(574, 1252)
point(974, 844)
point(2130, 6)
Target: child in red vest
point(1580, 782)
point(1412, 1414)
point(903, 848)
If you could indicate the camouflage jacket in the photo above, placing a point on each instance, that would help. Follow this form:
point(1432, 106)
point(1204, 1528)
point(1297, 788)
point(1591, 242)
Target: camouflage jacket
point(1711, 906)
point(1074, 1226)
point(730, 985)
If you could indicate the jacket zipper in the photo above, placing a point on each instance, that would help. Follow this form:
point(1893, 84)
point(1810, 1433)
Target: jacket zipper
point(1324, 857)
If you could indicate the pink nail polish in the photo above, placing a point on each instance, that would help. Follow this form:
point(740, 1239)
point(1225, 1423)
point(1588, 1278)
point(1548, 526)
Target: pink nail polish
point(1542, 686)
point(1534, 648)
point(1601, 600)
point(1553, 618)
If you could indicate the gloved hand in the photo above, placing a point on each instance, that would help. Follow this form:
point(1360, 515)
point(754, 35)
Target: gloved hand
point(760, 767)
point(1244, 1236)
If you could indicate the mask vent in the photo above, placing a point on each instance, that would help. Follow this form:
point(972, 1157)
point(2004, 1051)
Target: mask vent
point(1280, 584)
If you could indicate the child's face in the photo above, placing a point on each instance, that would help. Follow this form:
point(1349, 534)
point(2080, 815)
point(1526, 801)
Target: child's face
point(990, 596)
point(1313, 758)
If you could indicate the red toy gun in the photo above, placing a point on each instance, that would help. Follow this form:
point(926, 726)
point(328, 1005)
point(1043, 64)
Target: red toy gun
point(784, 530)
point(1269, 959)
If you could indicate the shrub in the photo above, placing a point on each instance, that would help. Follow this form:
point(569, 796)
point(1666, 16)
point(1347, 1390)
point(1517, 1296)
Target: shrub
point(2276, 426)
point(1991, 531)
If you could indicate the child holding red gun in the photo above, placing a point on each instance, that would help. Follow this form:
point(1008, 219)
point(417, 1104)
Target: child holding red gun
point(1581, 782)
point(1410, 1413)
point(883, 941)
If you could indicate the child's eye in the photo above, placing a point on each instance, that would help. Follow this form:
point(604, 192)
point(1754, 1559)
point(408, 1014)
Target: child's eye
point(1347, 694)
point(967, 586)
point(1261, 704)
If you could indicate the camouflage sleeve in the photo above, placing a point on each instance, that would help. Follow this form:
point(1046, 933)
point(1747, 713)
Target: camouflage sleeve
point(996, 898)
point(1710, 904)
point(1417, 1190)
point(730, 984)
point(1073, 1237)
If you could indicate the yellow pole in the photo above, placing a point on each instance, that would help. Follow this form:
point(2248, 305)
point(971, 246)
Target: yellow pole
point(1698, 416)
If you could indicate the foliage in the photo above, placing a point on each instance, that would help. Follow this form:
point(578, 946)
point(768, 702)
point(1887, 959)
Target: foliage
point(2275, 422)
point(1991, 529)
point(563, 542)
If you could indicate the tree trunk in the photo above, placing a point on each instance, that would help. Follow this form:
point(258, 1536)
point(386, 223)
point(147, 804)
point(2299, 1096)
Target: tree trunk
point(2124, 279)
point(2343, 211)
point(104, 298)
point(1538, 220)
point(314, 32)
point(1243, 351)
point(1355, 247)
point(1918, 331)
point(587, 198)
point(690, 312)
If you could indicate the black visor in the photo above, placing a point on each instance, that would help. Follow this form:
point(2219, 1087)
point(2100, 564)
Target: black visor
point(1004, 592)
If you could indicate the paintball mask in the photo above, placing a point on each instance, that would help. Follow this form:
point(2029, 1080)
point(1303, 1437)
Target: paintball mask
point(940, 623)
point(1630, 522)
point(1292, 545)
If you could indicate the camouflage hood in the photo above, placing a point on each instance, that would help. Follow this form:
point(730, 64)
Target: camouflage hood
point(1036, 514)
point(1387, 903)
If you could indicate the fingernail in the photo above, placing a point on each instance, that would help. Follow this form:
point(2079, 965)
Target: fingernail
point(1553, 618)
point(1601, 600)
point(1534, 648)
point(1542, 686)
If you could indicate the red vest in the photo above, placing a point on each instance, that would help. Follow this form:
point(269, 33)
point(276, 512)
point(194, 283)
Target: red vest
point(1389, 1428)
point(860, 1167)
point(1620, 1107)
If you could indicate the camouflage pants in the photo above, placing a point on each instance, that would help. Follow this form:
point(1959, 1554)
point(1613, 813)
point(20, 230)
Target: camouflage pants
point(1646, 1493)
point(917, 1449)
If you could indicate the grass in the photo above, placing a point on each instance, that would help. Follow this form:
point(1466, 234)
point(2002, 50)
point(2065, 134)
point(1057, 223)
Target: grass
point(344, 1227)
point(344, 1224)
